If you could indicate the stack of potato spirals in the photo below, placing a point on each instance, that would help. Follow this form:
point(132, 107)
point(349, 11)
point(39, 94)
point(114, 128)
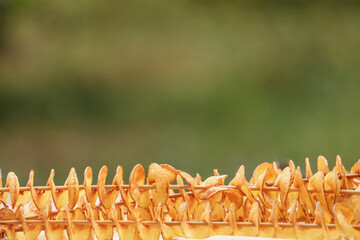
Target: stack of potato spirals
point(274, 203)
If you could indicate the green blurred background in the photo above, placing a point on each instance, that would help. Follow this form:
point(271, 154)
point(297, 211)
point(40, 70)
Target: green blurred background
point(198, 85)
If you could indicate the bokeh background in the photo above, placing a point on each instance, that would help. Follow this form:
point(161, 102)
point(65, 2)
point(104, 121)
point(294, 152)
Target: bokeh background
point(198, 85)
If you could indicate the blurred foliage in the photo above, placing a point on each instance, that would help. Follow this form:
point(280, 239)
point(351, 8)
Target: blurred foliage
point(198, 85)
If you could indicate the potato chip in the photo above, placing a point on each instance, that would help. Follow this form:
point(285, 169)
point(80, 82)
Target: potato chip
point(77, 231)
point(195, 229)
point(40, 197)
point(331, 182)
point(31, 231)
point(72, 183)
point(308, 168)
point(90, 193)
point(288, 232)
point(240, 181)
point(124, 230)
point(12, 183)
point(356, 167)
point(24, 196)
point(343, 216)
point(340, 171)
point(8, 229)
point(54, 231)
point(59, 196)
point(102, 231)
point(107, 197)
point(159, 177)
point(254, 217)
point(137, 177)
point(304, 194)
point(270, 176)
point(283, 181)
point(317, 182)
point(322, 165)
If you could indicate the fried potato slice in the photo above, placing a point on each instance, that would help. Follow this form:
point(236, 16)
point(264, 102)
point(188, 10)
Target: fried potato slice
point(322, 164)
point(107, 197)
point(217, 213)
point(254, 217)
point(146, 231)
point(8, 229)
point(343, 216)
point(283, 181)
point(194, 230)
point(159, 177)
point(240, 181)
point(233, 197)
point(12, 182)
point(304, 194)
point(59, 196)
point(24, 196)
point(72, 183)
point(340, 171)
point(54, 231)
point(125, 231)
point(331, 183)
point(171, 231)
point(40, 197)
point(76, 231)
point(317, 182)
point(90, 193)
point(271, 175)
point(309, 173)
point(31, 231)
point(137, 177)
point(102, 231)
point(63, 196)
point(166, 171)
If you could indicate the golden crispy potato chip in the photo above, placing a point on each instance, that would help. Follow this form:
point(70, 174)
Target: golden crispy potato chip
point(317, 182)
point(260, 181)
point(304, 194)
point(24, 196)
point(77, 231)
point(31, 231)
point(137, 177)
point(8, 229)
point(283, 181)
point(277, 169)
point(233, 197)
point(146, 231)
point(240, 181)
point(54, 231)
point(107, 197)
point(62, 196)
point(124, 230)
point(308, 168)
point(331, 183)
point(194, 229)
point(12, 183)
point(340, 171)
point(356, 167)
point(102, 231)
point(171, 231)
point(217, 213)
point(271, 175)
point(40, 197)
point(343, 216)
point(90, 193)
point(288, 232)
point(72, 183)
point(59, 196)
point(322, 165)
point(163, 170)
point(159, 177)
point(254, 217)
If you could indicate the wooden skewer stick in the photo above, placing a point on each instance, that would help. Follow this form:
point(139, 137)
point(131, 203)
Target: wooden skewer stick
point(197, 187)
point(173, 223)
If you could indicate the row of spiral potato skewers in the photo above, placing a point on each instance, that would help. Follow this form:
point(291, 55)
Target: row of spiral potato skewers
point(274, 203)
